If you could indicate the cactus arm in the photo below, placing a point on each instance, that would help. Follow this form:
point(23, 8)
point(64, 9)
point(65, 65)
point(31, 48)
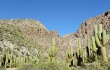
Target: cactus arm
point(100, 31)
point(104, 38)
point(96, 37)
point(104, 55)
point(94, 45)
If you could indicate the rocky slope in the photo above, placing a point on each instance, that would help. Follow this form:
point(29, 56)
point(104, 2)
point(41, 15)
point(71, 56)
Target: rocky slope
point(86, 28)
point(27, 35)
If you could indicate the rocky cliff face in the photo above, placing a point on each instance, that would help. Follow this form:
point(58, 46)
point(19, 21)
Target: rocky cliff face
point(86, 28)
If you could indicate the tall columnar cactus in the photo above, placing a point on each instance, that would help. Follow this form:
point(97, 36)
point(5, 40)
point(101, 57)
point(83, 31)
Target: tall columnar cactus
point(14, 60)
point(7, 56)
point(101, 39)
point(6, 59)
point(69, 55)
point(94, 48)
point(84, 57)
point(79, 52)
point(88, 45)
point(79, 49)
point(24, 58)
point(52, 50)
point(10, 58)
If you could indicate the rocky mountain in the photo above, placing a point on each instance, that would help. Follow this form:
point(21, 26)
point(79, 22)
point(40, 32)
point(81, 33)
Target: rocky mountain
point(31, 36)
point(86, 28)
point(25, 36)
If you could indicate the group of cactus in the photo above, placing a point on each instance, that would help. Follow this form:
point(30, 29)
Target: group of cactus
point(70, 57)
point(10, 60)
point(52, 51)
point(95, 45)
point(99, 43)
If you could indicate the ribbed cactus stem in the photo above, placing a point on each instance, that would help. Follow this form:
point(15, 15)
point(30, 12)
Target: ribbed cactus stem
point(10, 58)
point(84, 58)
point(6, 61)
point(94, 45)
point(24, 58)
point(79, 49)
point(96, 37)
point(104, 38)
point(14, 60)
point(100, 31)
point(52, 50)
point(102, 42)
point(74, 61)
point(94, 48)
point(85, 53)
point(70, 51)
point(70, 58)
point(89, 44)
point(49, 59)
point(103, 51)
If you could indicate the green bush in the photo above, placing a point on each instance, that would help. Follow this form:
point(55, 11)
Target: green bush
point(44, 66)
point(27, 67)
point(51, 66)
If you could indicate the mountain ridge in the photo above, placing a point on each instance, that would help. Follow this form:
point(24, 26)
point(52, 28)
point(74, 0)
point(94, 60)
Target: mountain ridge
point(28, 33)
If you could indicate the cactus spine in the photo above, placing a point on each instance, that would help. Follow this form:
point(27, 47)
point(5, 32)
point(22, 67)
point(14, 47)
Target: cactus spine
point(52, 51)
point(102, 39)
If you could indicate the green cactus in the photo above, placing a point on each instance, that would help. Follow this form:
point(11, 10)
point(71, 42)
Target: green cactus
point(10, 58)
point(6, 57)
point(84, 57)
point(88, 45)
point(52, 50)
point(79, 53)
point(79, 50)
point(6, 61)
point(69, 56)
point(74, 60)
point(14, 60)
point(102, 39)
point(24, 58)
point(94, 48)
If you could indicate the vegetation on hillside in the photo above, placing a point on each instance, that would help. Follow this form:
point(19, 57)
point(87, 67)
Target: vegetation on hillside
point(93, 57)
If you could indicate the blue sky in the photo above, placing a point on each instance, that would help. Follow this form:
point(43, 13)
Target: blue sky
point(64, 16)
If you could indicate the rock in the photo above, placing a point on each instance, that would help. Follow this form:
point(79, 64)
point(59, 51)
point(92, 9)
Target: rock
point(86, 28)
